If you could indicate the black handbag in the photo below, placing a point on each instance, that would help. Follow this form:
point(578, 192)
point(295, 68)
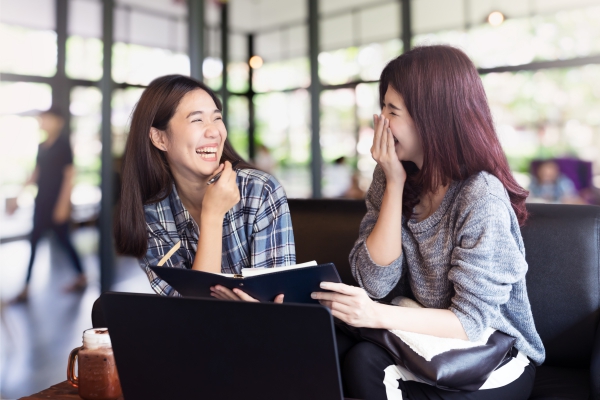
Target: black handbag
point(454, 370)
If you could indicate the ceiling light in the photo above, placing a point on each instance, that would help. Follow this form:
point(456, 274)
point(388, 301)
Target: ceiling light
point(495, 18)
point(255, 62)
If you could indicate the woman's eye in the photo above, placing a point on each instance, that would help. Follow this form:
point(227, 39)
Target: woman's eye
point(197, 120)
point(218, 118)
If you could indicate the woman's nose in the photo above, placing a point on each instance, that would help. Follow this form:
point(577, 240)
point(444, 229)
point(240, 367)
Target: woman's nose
point(211, 131)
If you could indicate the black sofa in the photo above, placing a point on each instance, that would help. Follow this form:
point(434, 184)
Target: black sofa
point(562, 249)
point(562, 246)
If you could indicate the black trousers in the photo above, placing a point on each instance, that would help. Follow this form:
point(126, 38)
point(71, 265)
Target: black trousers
point(363, 363)
point(40, 226)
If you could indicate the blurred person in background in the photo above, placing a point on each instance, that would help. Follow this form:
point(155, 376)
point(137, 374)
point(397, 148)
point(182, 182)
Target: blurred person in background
point(53, 175)
point(548, 184)
point(263, 160)
point(354, 191)
point(338, 178)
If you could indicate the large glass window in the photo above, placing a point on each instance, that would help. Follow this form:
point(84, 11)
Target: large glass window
point(20, 135)
point(283, 138)
point(237, 77)
point(123, 104)
point(367, 104)
point(84, 58)
point(283, 123)
point(85, 136)
point(546, 113)
point(139, 65)
point(237, 124)
point(338, 140)
point(362, 63)
point(84, 44)
point(27, 51)
point(85, 139)
point(566, 34)
point(212, 70)
point(282, 75)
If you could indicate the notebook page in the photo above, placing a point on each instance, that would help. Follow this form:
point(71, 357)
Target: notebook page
point(246, 272)
point(222, 274)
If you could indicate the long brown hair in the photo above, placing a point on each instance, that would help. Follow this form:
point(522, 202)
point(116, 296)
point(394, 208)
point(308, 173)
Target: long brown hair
point(445, 97)
point(146, 177)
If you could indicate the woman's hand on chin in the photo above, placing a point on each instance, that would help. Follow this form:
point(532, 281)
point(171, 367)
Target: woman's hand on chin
point(384, 151)
point(222, 195)
point(223, 293)
point(350, 304)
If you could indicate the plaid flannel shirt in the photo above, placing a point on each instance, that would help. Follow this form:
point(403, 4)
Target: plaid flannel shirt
point(257, 231)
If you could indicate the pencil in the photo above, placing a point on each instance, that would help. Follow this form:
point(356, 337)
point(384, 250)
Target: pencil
point(217, 176)
point(169, 254)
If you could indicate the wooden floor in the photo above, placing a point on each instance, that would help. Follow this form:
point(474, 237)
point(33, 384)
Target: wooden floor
point(36, 337)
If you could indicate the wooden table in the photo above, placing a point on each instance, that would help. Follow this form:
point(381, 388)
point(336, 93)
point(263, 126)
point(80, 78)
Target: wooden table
point(64, 391)
point(60, 391)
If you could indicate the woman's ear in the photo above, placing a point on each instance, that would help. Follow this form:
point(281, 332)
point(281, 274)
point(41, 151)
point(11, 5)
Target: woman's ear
point(158, 138)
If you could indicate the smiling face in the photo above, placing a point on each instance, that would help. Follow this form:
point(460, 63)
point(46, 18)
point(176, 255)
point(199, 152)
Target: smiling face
point(195, 137)
point(406, 140)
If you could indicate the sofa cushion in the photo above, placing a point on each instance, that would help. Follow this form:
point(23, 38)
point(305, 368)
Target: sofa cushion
point(561, 383)
point(325, 231)
point(563, 282)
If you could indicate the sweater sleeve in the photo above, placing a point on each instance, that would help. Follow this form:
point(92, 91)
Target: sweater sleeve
point(377, 280)
point(487, 260)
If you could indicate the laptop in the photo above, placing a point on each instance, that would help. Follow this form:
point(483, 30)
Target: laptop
point(191, 348)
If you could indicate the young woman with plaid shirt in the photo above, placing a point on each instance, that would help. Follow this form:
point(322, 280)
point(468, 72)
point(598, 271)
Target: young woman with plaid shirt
point(177, 143)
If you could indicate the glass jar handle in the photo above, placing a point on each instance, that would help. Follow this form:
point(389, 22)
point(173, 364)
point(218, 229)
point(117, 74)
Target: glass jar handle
point(71, 377)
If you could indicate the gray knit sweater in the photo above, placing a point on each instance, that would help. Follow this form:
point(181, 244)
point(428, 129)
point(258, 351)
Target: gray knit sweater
point(467, 257)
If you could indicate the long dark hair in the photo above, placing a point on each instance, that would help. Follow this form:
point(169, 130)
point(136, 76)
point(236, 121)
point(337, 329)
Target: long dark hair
point(445, 97)
point(146, 177)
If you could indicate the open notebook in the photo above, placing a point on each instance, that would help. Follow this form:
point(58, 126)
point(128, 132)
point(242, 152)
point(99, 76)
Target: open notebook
point(296, 282)
point(246, 272)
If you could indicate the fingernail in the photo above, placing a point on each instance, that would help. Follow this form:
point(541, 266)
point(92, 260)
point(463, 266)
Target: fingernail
point(324, 285)
point(313, 295)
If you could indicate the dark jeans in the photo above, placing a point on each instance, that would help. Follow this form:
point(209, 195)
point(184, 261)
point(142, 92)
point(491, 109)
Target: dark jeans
point(363, 363)
point(40, 226)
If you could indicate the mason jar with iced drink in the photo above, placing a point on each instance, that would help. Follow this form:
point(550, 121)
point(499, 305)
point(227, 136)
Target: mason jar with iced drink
point(97, 378)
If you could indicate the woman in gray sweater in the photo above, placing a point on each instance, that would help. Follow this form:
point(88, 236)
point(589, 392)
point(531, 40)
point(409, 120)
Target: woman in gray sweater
point(442, 228)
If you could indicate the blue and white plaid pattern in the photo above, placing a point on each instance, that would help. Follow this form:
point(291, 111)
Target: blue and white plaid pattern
point(257, 231)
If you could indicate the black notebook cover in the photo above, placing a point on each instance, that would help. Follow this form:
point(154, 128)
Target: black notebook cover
point(295, 284)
